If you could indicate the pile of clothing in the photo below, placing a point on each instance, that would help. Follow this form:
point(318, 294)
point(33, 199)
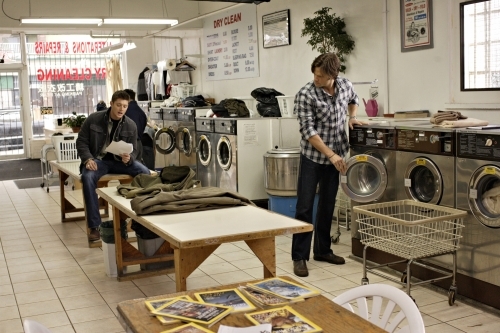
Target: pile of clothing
point(454, 119)
point(175, 190)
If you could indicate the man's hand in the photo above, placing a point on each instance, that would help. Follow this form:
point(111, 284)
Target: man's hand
point(339, 163)
point(354, 121)
point(91, 165)
point(125, 158)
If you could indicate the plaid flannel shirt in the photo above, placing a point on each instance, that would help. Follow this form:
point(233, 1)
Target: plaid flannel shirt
point(321, 114)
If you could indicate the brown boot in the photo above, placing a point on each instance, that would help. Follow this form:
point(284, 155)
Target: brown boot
point(300, 268)
point(94, 234)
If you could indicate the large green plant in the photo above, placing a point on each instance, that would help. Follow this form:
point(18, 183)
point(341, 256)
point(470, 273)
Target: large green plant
point(327, 34)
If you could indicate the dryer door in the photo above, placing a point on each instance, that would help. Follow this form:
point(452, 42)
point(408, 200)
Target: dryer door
point(165, 141)
point(423, 181)
point(204, 150)
point(224, 153)
point(484, 195)
point(365, 179)
point(185, 141)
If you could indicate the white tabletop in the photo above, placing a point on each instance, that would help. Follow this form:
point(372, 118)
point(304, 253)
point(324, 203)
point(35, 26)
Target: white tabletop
point(72, 169)
point(217, 226)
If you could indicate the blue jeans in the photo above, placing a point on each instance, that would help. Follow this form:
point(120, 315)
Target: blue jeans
point(90, 179)
point(310, 175)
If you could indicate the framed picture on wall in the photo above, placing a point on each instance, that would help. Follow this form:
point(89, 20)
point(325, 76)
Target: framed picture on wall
point(276, 29)
point(416, 25)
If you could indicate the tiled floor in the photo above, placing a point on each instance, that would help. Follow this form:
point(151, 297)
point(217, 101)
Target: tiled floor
point(47, 273)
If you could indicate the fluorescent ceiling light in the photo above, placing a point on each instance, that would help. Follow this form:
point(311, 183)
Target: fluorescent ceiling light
point(61, 20)
point(139, 21)
point(117, 48)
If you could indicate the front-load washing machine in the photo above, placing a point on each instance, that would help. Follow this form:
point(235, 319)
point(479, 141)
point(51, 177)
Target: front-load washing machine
point(186, 137)
point(241, 144)
point(424, 164)
point(478, 193)
point(370, 168)
point(206, 150)
point(167, 153)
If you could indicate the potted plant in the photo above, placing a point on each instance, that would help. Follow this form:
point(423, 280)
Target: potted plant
point(327, 34)
point(75, 121)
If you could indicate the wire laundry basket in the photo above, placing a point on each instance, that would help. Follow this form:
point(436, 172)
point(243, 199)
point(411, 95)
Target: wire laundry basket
point(410, 229)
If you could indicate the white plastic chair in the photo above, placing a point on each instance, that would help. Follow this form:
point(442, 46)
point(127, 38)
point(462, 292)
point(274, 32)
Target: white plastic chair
point(31, 326)
point(382, 317)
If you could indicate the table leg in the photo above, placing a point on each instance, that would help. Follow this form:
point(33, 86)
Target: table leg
point(187, 260)
point(118, 240)
point(265, 250)
point(66, 206)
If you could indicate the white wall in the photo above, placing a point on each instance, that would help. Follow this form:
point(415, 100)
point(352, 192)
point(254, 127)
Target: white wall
point(430, 79)
point(425, 79)
point(287, 68)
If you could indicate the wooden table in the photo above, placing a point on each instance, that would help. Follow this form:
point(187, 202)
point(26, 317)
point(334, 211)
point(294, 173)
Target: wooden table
point(72, 170)
point(195, 236)
point(331, 317)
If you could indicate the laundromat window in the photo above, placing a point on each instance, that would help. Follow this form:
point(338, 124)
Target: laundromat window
point(480, 40)
point(66, 75)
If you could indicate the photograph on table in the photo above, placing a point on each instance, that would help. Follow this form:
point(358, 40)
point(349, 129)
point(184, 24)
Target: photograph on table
point(283, 320)
point(283, 288)
point(227, 297)
point(153, 305)
point(191, 311)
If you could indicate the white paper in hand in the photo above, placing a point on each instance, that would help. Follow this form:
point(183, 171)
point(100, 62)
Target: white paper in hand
point(120, 147)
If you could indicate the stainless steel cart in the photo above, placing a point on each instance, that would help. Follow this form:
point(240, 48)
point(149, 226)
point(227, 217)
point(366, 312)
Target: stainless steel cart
point(48, 176)
point(342, 215)
point(411, 230)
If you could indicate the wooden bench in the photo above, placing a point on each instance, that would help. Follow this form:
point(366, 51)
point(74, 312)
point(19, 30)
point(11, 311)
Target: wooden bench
point(72, 170)
point(194, 236)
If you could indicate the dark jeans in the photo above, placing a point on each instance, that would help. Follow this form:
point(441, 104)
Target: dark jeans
point(90, 179)
point(310, 175)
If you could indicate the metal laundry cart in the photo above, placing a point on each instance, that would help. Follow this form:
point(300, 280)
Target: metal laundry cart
point(411, 230)
point(342, 215)
point(48, 176)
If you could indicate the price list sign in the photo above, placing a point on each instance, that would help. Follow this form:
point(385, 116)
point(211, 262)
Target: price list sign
point(230, 44)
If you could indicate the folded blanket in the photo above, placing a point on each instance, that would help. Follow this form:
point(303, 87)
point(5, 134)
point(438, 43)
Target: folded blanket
point(470, 122)
point(441, 116)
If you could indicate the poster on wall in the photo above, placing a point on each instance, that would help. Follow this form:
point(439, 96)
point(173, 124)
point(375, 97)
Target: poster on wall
point(230, 44)
point(416, 25)
point(276, 29)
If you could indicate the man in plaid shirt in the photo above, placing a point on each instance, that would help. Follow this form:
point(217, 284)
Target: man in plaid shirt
point(322, 106)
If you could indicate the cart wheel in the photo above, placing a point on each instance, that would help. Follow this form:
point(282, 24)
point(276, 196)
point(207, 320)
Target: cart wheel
point(335, 239)
point(47, 189)
point(66, 182)
point(365, 281)
point(404, 277)
point(451, 297)
point(73, 187)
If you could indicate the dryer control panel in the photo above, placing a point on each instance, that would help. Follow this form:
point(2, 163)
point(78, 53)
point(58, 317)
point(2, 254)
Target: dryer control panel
point(431, 142)
point(479, 145)
point(373, 137)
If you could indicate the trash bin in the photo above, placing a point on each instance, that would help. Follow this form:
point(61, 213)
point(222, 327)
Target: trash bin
point(108, 245)
point(148, 243)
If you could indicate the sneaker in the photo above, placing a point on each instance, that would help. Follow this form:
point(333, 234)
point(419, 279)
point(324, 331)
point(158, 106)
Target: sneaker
point(331, 258)
point(94, 234)
point(300, 268)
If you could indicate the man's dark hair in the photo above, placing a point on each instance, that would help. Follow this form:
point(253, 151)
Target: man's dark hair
point(329, 64)
point(131, 93)
point(120, 94)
